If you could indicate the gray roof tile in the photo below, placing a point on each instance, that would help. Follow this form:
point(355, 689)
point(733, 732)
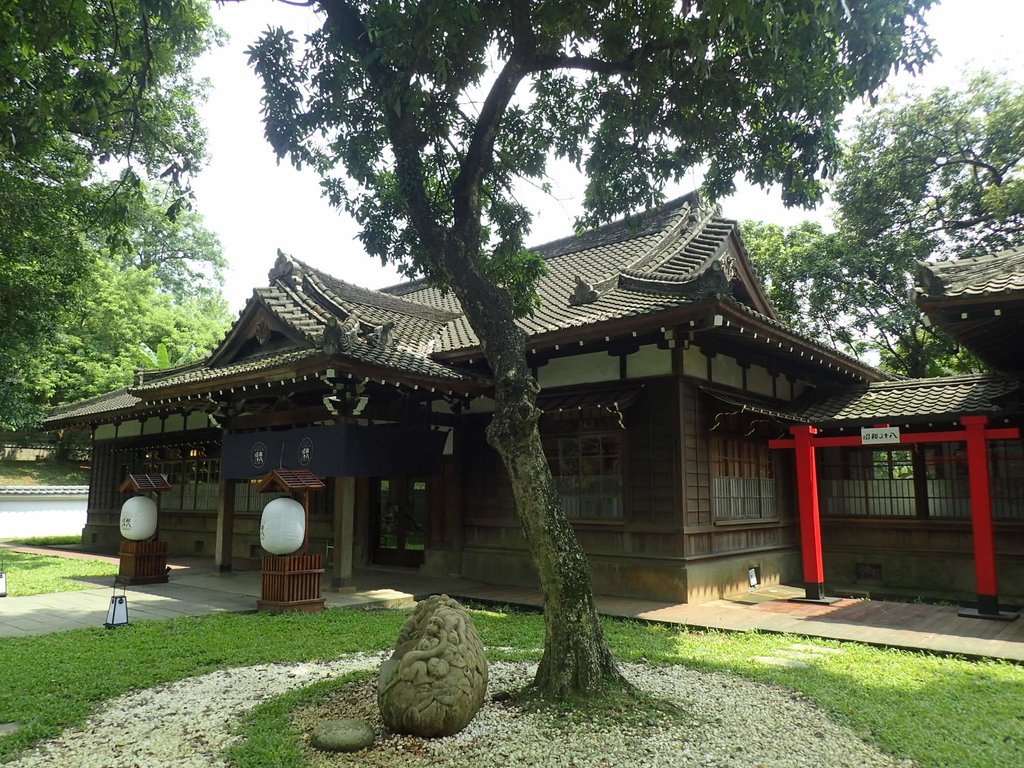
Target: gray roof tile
point(995, 274)
point(913, 399)
point(110, 402)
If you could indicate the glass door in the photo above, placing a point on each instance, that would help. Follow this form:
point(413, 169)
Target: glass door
point(400, 520)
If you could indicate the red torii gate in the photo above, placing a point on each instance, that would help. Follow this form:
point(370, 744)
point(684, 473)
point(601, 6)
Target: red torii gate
point(975, 434)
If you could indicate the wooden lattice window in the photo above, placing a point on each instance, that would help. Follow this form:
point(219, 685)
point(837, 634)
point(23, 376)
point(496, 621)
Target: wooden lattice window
point(587, 470)
point(868, 482)
point(743, 477)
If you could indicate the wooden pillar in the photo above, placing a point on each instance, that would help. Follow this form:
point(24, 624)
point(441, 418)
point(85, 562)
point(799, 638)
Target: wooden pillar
point(986, 585)
point(810, 516)
point(454, 526)
point(225, 525)
point(344, 506)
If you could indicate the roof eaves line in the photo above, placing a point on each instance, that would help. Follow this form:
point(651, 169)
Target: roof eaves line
point(94, 399)
point(851, 363)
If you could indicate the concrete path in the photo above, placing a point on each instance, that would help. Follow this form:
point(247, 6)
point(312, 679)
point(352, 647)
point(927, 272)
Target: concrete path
point(195, 589)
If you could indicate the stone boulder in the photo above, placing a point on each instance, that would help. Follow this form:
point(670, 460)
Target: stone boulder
point(435, 681)
point(342, 735)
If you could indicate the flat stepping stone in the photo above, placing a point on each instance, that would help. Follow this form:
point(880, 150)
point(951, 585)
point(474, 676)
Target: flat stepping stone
point(343, 735)
point(815, 649)
point(777, 662)
point(802, 655)
point(6, 729)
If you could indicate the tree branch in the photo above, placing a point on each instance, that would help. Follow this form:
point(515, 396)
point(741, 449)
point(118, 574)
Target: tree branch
point(405, 137)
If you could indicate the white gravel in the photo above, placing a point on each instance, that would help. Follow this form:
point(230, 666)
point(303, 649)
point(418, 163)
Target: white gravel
point(729, 722)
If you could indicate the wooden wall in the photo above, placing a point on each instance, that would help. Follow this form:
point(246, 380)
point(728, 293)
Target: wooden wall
point(638, 554)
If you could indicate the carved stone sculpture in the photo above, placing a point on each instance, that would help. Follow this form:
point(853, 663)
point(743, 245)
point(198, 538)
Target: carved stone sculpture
point(435, 681)
point(383, 336)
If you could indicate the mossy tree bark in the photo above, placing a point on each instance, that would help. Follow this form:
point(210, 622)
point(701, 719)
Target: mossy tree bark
point(576, 660)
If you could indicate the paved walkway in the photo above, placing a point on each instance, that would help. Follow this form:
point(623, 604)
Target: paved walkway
point(195, 589)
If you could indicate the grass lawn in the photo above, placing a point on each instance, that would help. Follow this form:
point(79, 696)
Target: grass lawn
point(43, 473)
point(41, 574)
point(938, 711)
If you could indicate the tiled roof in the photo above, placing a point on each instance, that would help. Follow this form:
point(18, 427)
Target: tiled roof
point(665, 258)
point(913, 399)
point(672, 257)
point(43, 490)
point(110, 402)
point(785, 329)
point(205, 373)
point(995, 274)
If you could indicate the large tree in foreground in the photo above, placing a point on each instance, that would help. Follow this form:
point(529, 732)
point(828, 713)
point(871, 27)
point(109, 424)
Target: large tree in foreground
point(422, 116)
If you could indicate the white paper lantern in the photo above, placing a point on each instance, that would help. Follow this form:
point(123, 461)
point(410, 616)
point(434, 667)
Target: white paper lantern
point(138, 518)
point(283, 526)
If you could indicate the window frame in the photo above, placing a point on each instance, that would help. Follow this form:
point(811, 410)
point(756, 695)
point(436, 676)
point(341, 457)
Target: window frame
point(579, 426)
point(761, 458)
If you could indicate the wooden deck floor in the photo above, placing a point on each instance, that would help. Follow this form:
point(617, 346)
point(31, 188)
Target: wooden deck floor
point(913, 626)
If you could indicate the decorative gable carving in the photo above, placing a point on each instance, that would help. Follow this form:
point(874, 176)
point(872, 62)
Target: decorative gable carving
point(261, 331)
point(343, 336)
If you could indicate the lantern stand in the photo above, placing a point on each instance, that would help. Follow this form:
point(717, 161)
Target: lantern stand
point(291, 582)
point(117, 613)
point(143, 561)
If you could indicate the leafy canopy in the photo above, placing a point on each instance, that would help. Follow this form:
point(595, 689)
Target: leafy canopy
point(926, 175)
point(85, 87)
point(480, 95)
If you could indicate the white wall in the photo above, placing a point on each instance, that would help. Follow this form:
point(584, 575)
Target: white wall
point(42, 513)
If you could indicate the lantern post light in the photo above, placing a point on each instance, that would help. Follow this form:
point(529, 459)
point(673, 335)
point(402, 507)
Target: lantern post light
point(143, 555)
point(290, 578)
point(117, 613)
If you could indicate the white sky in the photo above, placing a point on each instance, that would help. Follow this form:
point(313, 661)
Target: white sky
point(257, 206)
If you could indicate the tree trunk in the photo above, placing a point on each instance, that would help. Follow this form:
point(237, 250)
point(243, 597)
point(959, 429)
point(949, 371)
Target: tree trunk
point(576, 656)
point(576, 660)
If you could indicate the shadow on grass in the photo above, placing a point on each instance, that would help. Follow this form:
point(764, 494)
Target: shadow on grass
point(938, 711)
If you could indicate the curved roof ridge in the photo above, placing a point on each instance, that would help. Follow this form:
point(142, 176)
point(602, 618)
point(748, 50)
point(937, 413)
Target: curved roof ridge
point(345, 292)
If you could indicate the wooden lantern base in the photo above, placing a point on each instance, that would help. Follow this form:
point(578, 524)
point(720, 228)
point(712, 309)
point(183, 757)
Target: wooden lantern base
point(142, 562)
point(291, 583)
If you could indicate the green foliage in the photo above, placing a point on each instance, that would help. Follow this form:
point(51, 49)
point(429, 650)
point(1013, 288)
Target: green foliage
point(798, 266)
point(42, 574)
point(49, 682)
point(161, 356)
point(98, 349)
point(83, 86)
point(47, 541)
point(937, 175)
point(417, 118)
point(46, 472)
point(268, 738)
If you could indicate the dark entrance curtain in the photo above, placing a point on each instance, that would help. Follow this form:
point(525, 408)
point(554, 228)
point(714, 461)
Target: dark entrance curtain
point(341, 450)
